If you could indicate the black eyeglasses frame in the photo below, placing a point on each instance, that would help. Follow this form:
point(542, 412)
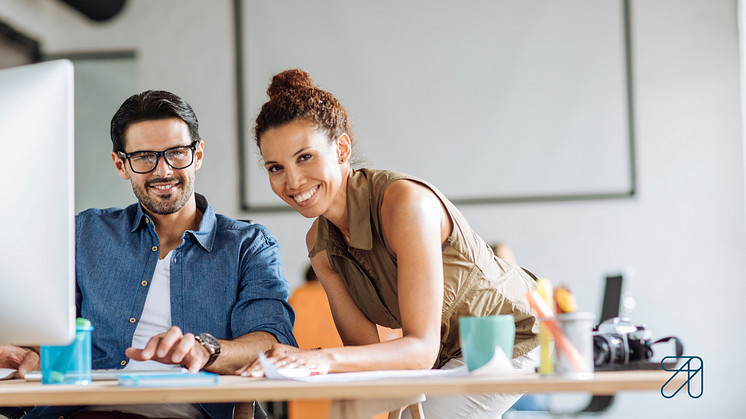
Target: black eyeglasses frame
point(158, 155)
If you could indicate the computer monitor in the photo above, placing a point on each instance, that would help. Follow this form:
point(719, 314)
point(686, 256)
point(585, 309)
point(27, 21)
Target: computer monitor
point(37, 214)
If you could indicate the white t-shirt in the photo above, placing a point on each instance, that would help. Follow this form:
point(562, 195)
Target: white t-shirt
point(156, 315)
point(155, 319)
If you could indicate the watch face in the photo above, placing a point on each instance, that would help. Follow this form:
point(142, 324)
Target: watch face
point(209, 342)
point(209, 339)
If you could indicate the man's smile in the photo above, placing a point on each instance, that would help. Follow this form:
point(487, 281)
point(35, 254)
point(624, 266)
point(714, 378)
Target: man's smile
point(163, 185)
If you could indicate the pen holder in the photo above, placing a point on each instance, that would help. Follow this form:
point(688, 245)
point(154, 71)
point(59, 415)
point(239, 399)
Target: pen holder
point(69, 364)
point(578, 328)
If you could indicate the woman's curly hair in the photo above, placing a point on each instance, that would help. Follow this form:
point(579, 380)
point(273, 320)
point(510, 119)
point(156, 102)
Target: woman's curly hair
point(294, 96)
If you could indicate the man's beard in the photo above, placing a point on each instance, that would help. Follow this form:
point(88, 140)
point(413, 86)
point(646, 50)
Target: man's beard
point(164, 204)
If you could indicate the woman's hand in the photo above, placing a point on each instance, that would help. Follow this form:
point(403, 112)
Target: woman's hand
point(284, 356)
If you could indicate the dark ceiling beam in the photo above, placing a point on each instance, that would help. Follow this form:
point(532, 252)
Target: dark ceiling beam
point(31, 46)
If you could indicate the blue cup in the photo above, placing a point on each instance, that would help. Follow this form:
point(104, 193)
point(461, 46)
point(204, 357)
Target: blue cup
point(69, 364)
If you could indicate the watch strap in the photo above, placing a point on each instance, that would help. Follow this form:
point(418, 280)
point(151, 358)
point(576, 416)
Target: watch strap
point(203, 338)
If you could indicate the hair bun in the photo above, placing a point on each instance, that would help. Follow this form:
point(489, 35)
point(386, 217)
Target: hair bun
point(289, 81)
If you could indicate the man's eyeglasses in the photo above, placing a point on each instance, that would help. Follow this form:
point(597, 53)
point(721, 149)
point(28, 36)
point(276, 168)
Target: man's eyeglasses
point(146, 161)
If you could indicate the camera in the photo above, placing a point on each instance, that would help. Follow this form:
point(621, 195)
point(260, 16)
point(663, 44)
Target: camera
point(618, 341)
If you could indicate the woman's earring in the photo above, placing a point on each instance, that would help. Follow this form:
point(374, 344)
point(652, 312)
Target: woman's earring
point(342, 161)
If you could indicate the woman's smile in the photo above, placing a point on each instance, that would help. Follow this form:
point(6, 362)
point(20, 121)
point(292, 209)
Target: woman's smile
point(304, 198)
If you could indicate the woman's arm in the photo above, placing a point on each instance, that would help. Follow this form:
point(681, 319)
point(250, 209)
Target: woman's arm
point(354, 328)
point(416, 224)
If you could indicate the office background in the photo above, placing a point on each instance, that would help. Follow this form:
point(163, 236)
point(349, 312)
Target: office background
point(681, 239)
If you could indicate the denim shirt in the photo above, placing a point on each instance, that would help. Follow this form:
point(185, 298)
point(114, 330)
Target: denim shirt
point(226, 280)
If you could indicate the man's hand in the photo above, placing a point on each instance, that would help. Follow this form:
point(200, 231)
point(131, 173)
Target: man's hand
point(172, 347)
point(22, 359)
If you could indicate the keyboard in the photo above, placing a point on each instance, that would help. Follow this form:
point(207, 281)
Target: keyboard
point(113, 374)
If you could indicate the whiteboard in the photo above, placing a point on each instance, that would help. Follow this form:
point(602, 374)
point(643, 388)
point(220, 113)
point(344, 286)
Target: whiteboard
point(488, 100)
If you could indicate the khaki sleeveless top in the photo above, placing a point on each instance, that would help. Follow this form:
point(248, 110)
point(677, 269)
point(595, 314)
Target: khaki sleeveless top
point(477, 283)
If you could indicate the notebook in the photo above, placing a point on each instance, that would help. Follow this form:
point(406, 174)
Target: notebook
point(114, 374)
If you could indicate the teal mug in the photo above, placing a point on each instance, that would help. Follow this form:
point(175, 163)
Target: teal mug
point(480, 336)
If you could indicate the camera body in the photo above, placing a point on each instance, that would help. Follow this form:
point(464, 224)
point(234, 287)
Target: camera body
point(618, 341)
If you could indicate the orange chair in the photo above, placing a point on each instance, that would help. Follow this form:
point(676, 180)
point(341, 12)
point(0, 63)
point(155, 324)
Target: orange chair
point(314, 328)
point(314, 325)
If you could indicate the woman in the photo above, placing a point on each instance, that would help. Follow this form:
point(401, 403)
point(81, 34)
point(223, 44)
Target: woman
point(388, 248)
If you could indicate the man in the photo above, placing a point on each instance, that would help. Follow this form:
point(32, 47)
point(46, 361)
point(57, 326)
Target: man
point(168, 281)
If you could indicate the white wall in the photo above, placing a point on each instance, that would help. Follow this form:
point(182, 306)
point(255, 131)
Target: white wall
point(683, 233)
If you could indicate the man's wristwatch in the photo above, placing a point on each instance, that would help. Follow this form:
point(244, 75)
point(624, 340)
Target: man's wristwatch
point(212, 345)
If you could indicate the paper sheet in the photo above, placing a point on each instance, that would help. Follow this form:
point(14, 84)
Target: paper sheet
point(7, 373)
point(498, 365)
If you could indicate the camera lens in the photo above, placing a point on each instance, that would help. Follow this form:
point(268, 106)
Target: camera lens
point(608, 349)
point(601, 351)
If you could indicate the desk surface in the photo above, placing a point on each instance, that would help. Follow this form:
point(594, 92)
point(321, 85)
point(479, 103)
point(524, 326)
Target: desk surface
point(232, 389)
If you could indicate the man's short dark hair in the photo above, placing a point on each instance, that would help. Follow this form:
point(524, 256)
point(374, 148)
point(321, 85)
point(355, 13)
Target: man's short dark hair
point(148, 106)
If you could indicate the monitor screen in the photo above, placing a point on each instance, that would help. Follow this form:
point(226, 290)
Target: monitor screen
point(37, 216)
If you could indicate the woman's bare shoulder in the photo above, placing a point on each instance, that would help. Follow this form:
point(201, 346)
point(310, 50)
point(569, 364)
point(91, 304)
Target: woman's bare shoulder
point(404, 193)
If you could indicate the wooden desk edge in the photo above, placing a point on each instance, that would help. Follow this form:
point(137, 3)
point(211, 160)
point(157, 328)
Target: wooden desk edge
point(232, 389)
